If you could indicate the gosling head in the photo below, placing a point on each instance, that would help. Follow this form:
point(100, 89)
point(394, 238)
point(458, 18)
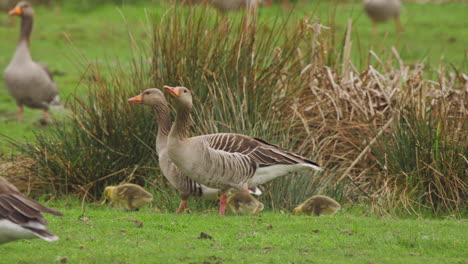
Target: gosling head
point(182, 95)
point(296, 211)
point(107, 192)
point(22, 9)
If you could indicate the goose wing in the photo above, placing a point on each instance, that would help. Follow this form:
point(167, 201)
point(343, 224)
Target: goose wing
point(264, 154)
point(20, 210)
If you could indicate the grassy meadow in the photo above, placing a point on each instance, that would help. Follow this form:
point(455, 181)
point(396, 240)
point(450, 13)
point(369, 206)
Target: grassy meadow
point(307, 87)
point(109, 235)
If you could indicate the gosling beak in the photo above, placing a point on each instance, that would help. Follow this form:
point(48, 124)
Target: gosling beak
point(15, 11)
point(173, 91)
point(136, 100)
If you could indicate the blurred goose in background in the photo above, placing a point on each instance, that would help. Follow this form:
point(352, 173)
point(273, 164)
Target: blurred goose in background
point(318, 205)
point(244, 204)
point(185, 186)
point(380, 11)
point(234, 5)
point(131, 196)
point(20, 217)
point(226, 161)
point(29, 82)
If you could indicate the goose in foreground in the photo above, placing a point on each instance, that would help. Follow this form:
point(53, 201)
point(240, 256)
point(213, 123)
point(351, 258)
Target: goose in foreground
point(185, 186)
point(380, 11)
point(226, 161)
point(29, 82)
point(129, 195)
point(20, 217)
point(318, 205)
point(244, 204)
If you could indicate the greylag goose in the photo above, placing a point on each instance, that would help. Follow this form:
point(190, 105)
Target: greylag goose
point(380, 11)
point(226, 161)
point(129, 195)
point(29, 82)
point(244, 204)
point(318, 205)
point(233, 5)
point(20, 217)
point(184, 185)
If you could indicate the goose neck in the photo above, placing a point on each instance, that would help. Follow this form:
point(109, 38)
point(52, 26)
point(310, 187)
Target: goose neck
point(26, 29)
point(164, 126)
point(180, 129)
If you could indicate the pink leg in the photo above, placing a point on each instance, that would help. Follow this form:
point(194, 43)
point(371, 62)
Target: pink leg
point(222, 204)
point(47, 116)
point(20, 113)
point(246, 191)
point(182, 205)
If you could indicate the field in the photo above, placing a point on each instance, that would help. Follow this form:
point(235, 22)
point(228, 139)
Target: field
point(434, 33)
point(109, 235)
point(389, 133)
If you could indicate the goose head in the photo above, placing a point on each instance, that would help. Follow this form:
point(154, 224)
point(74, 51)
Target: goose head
point(182, 95)
point(22, 9)
point(152, 96)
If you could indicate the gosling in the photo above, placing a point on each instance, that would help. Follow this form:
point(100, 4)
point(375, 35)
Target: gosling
point(318, 205)
point(244, 204)
point(130, 196)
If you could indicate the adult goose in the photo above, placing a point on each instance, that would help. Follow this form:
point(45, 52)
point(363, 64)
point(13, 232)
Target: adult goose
point(29, 82)
point(226, 161)
point(185, 186)
point(380, 11)
point(20, 217)
point(233, 5)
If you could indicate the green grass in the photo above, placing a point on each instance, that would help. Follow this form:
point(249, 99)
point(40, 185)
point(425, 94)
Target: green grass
point(110, 236)
point(63, 35)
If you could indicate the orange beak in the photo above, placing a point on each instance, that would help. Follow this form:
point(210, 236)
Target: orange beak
point(16, 11)
point(173, 91)
point(136, 100)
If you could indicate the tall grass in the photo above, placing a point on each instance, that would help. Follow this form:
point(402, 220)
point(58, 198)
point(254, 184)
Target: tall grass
point(424, 158)
point(287, 83)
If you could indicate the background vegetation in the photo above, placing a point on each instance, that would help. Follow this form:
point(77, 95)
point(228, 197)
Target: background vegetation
point(303, 80)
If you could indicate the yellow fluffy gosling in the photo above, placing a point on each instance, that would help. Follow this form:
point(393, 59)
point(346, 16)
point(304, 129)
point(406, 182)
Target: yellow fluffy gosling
point(130, 196)
point(243, 203)
point(318, 205)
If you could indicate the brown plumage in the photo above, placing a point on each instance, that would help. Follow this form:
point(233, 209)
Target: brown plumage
point(20, 217)
point(243, 203)
point(128, 195)
point(318, 205)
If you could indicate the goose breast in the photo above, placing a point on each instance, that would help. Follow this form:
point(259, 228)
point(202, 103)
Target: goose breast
point(382, 10)
point(30, 84)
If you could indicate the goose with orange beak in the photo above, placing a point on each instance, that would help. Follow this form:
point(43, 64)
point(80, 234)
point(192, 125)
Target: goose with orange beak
point(28, 82)
point(226, 161)
point(185, 186)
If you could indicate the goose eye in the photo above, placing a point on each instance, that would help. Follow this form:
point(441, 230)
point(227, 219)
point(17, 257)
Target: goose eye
point(147, 93)
point(185, 91)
